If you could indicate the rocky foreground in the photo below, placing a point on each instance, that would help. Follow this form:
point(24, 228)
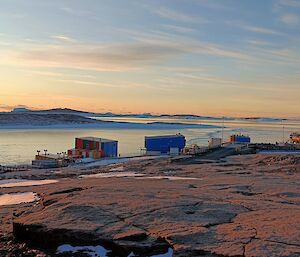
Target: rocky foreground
point(244, 206)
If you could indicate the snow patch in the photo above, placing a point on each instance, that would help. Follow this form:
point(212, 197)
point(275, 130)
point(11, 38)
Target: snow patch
point(24, 182)
point(113, 174)
point(99, 251)
point(17, 198)
point(93, 251)
point(128, 174)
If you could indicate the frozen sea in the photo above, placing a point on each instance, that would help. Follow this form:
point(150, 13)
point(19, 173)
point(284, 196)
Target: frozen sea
point(18, 146)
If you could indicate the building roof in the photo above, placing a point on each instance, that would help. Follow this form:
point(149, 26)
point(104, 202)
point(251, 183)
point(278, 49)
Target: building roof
point(97, 139)
point(164, 136)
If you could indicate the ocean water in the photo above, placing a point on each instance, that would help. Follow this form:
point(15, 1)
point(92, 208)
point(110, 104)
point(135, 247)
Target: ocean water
point(19, 146)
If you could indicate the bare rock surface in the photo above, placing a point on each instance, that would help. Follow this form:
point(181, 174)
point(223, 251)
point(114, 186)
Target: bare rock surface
point(247, 206)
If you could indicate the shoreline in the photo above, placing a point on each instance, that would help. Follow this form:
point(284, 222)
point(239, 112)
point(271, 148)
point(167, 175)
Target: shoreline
point(111, 125)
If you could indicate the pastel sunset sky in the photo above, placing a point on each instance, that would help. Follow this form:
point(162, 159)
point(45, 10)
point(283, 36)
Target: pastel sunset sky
point(206, 57)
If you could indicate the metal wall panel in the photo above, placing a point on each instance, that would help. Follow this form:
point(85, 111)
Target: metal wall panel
point(163, 144)
point(110, 149)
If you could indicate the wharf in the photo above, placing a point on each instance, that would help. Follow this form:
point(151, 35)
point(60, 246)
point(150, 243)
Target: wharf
point(12, 168)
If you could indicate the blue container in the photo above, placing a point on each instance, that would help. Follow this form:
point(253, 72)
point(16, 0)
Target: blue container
point(242, 139)
point(110, 148)
point(163, 144)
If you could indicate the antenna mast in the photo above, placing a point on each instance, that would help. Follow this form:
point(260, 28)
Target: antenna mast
point(222, 130)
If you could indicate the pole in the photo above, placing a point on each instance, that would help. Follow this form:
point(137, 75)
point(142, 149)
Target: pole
point(222, 131)
point(283, 136)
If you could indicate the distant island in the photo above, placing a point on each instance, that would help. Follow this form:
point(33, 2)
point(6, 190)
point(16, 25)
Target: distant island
point(68, 118)
point(68, 111)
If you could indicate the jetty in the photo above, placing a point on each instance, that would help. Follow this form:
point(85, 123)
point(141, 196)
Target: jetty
point(12, 168)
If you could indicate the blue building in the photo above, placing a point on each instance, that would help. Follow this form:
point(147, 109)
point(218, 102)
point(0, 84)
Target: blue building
point(109, 147)
point(164, 144)
point(239, 139)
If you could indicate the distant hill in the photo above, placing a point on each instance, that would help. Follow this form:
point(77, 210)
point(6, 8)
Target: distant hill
point(62, 111)
point(143, 115)
point(30, 118)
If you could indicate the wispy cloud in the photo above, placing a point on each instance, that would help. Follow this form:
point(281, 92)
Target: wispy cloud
point(74, 12)
point(179, 29)
point(206, 81)
point(101, 57)
point(81, 82)
point(275, 56)
point(290, 19)
point(94, 57)
point(112, 84)
point(64, 38)
point(44, 73)
point(224, 82)
point(178, 16)
point(284, 53)
point(183, 81)
point(258, 42)
point(106, 57)
point(214, 4)
point(209, 79)
point(261, 30)
point(187, 70)
point(187, 45)
point(214, 50)
point(253, 28)
point(288, 3)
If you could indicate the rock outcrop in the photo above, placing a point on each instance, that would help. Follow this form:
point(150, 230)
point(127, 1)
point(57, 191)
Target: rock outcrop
point(231, 210)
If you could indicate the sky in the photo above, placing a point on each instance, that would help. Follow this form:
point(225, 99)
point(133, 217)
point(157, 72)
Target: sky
point(207, 57)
